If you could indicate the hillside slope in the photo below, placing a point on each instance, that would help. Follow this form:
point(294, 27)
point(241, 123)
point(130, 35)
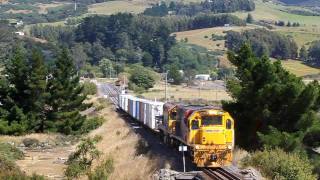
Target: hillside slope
point(301, 2)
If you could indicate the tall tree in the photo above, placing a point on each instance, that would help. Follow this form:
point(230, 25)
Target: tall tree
point(314, 52)
point(175, 74)
point(66, 100)
point(271, 102)
point(36, 91)
point(12, 93)
point(249, 18)
point(303, 54)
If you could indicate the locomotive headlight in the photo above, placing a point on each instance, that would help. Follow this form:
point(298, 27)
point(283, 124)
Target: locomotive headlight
point(229, 147)
point(213, 157)
point(197, 147)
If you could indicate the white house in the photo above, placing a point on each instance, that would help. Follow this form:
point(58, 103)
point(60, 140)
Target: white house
point(205, 77)
point(19, 33)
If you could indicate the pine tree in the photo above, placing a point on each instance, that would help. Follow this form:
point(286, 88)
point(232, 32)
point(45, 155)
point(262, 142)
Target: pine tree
point(16, 74)
point(66, 100)
point(303, 53)
point(12, 93)
point(270, 101)
point(249, 18)
point(37, 95)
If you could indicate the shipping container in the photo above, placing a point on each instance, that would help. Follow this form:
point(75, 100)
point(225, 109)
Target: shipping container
point(136, 114)
point(153, 112)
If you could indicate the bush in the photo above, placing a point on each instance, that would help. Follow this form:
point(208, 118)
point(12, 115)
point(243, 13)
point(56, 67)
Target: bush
point(141, 77)
point(89, 88)
point(28, 142)
point(91, 124)
point(81, 160)
point(8, 169)
point(277, 164)
point(10, 152)
point(103, 171)
point(142, 147)
point(75, 169)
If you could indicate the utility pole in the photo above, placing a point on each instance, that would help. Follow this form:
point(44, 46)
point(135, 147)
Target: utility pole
point(165, 87)
point(75, 5)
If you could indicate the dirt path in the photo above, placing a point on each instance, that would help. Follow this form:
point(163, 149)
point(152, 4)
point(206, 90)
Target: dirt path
point(49, 163)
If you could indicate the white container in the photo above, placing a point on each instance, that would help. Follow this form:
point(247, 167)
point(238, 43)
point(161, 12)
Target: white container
point(153, 110)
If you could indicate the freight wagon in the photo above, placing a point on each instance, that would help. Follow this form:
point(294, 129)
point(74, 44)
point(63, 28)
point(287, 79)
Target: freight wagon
point(207, 131)
point(145, 111)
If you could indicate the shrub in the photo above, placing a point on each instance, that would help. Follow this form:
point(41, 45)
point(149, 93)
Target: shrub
point(75, 169)
point(277, 164)
point(91, 124)
point(10, 152)
point(142, 77)
point(28, 142)
point(142, 147)
point(89, 88)
point(103, 171)
point(8, 169)
point(81, 160)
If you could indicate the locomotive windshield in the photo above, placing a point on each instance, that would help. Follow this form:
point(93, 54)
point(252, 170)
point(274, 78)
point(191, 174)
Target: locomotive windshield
point(208, 120)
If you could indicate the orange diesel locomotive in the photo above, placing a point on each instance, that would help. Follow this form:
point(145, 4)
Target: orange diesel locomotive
point(207, 131)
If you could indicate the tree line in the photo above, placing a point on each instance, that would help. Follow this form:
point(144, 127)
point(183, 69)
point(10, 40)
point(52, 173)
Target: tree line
point(38, 98)
point(263, 42)
point(192, 9)
point(312, 54)
point(127, 38)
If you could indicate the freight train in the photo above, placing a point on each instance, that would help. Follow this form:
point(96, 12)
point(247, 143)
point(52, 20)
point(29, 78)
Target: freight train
point(207, 131)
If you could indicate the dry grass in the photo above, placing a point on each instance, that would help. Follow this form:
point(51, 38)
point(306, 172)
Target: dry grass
point(19, 11)
point(298, 68)
point(119, 142)
point(238, 155)
point(302, 35)
point(43, 8)
point(112, 7)
point(179, 92)
point(198, 36)
point(42, 137)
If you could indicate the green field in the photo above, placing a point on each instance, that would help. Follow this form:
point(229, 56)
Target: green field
point(112, 7)
point(275, 12)
point(298, 68)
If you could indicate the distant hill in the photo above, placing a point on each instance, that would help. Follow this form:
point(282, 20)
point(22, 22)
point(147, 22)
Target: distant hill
point(301, 2)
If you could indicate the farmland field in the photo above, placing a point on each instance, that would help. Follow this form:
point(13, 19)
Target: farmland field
point(202, 37)
point(43, 8)
point(179, 92)
point(112, 7)
point(298, 68)
point(275, 12)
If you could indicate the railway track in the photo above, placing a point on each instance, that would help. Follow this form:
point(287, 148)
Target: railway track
point(111, 91)
point(220, 174)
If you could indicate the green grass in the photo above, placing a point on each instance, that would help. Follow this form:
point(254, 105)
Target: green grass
point(298, 68)
point(112, 7)
point(301, 37)
point(271, 11)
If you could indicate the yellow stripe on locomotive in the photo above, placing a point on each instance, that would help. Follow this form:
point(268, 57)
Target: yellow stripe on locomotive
point(207, 131)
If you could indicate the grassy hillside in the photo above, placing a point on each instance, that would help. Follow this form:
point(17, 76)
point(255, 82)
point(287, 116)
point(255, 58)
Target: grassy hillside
point(275, 12)
point(301, 2)
point(298, 68)
point(112, 7)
